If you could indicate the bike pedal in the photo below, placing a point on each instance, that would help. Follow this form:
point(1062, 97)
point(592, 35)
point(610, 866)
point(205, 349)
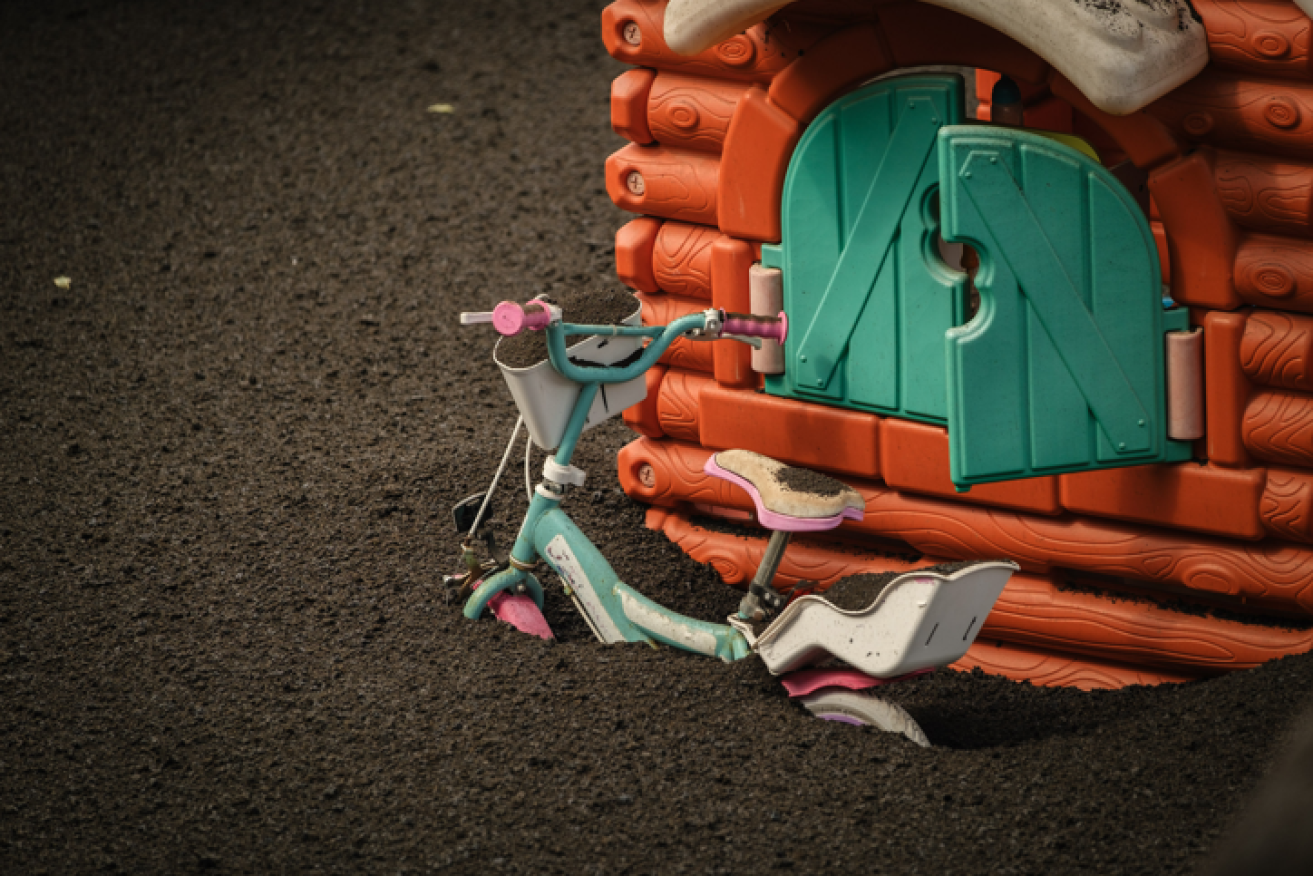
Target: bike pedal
point(460, 582)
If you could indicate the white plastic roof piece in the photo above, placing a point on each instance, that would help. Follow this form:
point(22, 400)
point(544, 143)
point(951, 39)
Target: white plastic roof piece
point(1121, 54)
point(694, 25)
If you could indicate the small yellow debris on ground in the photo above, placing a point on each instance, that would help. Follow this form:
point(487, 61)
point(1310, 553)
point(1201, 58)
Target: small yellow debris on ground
point(63, 282)
point(444, 108)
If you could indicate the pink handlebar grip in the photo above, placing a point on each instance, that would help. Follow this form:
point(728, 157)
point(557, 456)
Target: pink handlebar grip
point(510, 319)
point(770, 328)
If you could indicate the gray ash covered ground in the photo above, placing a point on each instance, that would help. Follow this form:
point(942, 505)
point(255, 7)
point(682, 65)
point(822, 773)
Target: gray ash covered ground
point(227, 452)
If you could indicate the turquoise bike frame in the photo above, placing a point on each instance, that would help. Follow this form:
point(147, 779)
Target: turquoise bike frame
point(615, 611)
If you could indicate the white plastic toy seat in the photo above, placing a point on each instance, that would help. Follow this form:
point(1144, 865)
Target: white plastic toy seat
point(921, 620)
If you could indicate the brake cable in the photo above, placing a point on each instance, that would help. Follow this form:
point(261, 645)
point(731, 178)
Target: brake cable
point(492, 488)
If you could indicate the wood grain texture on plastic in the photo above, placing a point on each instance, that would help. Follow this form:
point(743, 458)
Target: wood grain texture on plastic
point(1058, 670)
point(1287, 504)
point(675, 183)
point(1275, 574)
point(1223, 109)
point(692, 112)
point(752, 56)
point(677, 404)
point(683, 353)
point(1277, 350)
point(1032, 610)
point(1278, 427)
point(1268, 37)
point(1266, 194)
point(681, 259)
point(1275, 272)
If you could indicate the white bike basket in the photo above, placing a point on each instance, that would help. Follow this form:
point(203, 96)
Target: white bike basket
point(545, 398)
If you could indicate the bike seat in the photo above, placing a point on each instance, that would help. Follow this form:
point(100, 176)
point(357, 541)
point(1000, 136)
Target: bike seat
point(788, 498)
point(924, 618)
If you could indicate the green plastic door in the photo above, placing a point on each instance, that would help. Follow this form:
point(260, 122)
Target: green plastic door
point(868, 296)
point(1061, 369)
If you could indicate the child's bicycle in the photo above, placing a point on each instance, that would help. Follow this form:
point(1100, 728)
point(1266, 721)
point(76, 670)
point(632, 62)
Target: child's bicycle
point(919, 620)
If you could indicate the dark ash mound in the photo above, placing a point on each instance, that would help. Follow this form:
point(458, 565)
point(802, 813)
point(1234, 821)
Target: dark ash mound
point(804, 480)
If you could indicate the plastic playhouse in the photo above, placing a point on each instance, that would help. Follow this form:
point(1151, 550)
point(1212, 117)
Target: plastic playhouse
point(1078, 337)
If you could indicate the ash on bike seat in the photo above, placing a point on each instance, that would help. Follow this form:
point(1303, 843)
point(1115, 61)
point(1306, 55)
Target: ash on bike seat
point(785, 489)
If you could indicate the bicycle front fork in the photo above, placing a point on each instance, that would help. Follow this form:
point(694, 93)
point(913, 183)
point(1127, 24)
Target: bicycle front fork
point(615, 611)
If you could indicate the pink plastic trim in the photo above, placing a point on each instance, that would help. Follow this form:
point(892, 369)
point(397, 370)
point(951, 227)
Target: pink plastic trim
point(781, 522)
point(1185, 385)
point(510, 319)
point(799, 684)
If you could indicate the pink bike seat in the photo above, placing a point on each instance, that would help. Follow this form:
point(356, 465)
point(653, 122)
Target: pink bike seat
point(787, 498)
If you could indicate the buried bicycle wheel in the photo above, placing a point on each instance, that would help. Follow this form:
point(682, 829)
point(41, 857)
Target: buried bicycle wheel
point(863, 708)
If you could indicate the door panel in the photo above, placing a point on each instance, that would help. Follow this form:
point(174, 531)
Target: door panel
point(867, 294)
point(1062, 368)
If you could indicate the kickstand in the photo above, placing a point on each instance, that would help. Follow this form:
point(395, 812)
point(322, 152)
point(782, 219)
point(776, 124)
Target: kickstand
point(468, 514)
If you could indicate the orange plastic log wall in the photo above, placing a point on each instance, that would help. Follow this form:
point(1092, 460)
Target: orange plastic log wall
point(1106, 556)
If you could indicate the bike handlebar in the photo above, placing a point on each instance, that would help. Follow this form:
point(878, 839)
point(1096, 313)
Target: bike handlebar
point(771, 328)
point(510, 318)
